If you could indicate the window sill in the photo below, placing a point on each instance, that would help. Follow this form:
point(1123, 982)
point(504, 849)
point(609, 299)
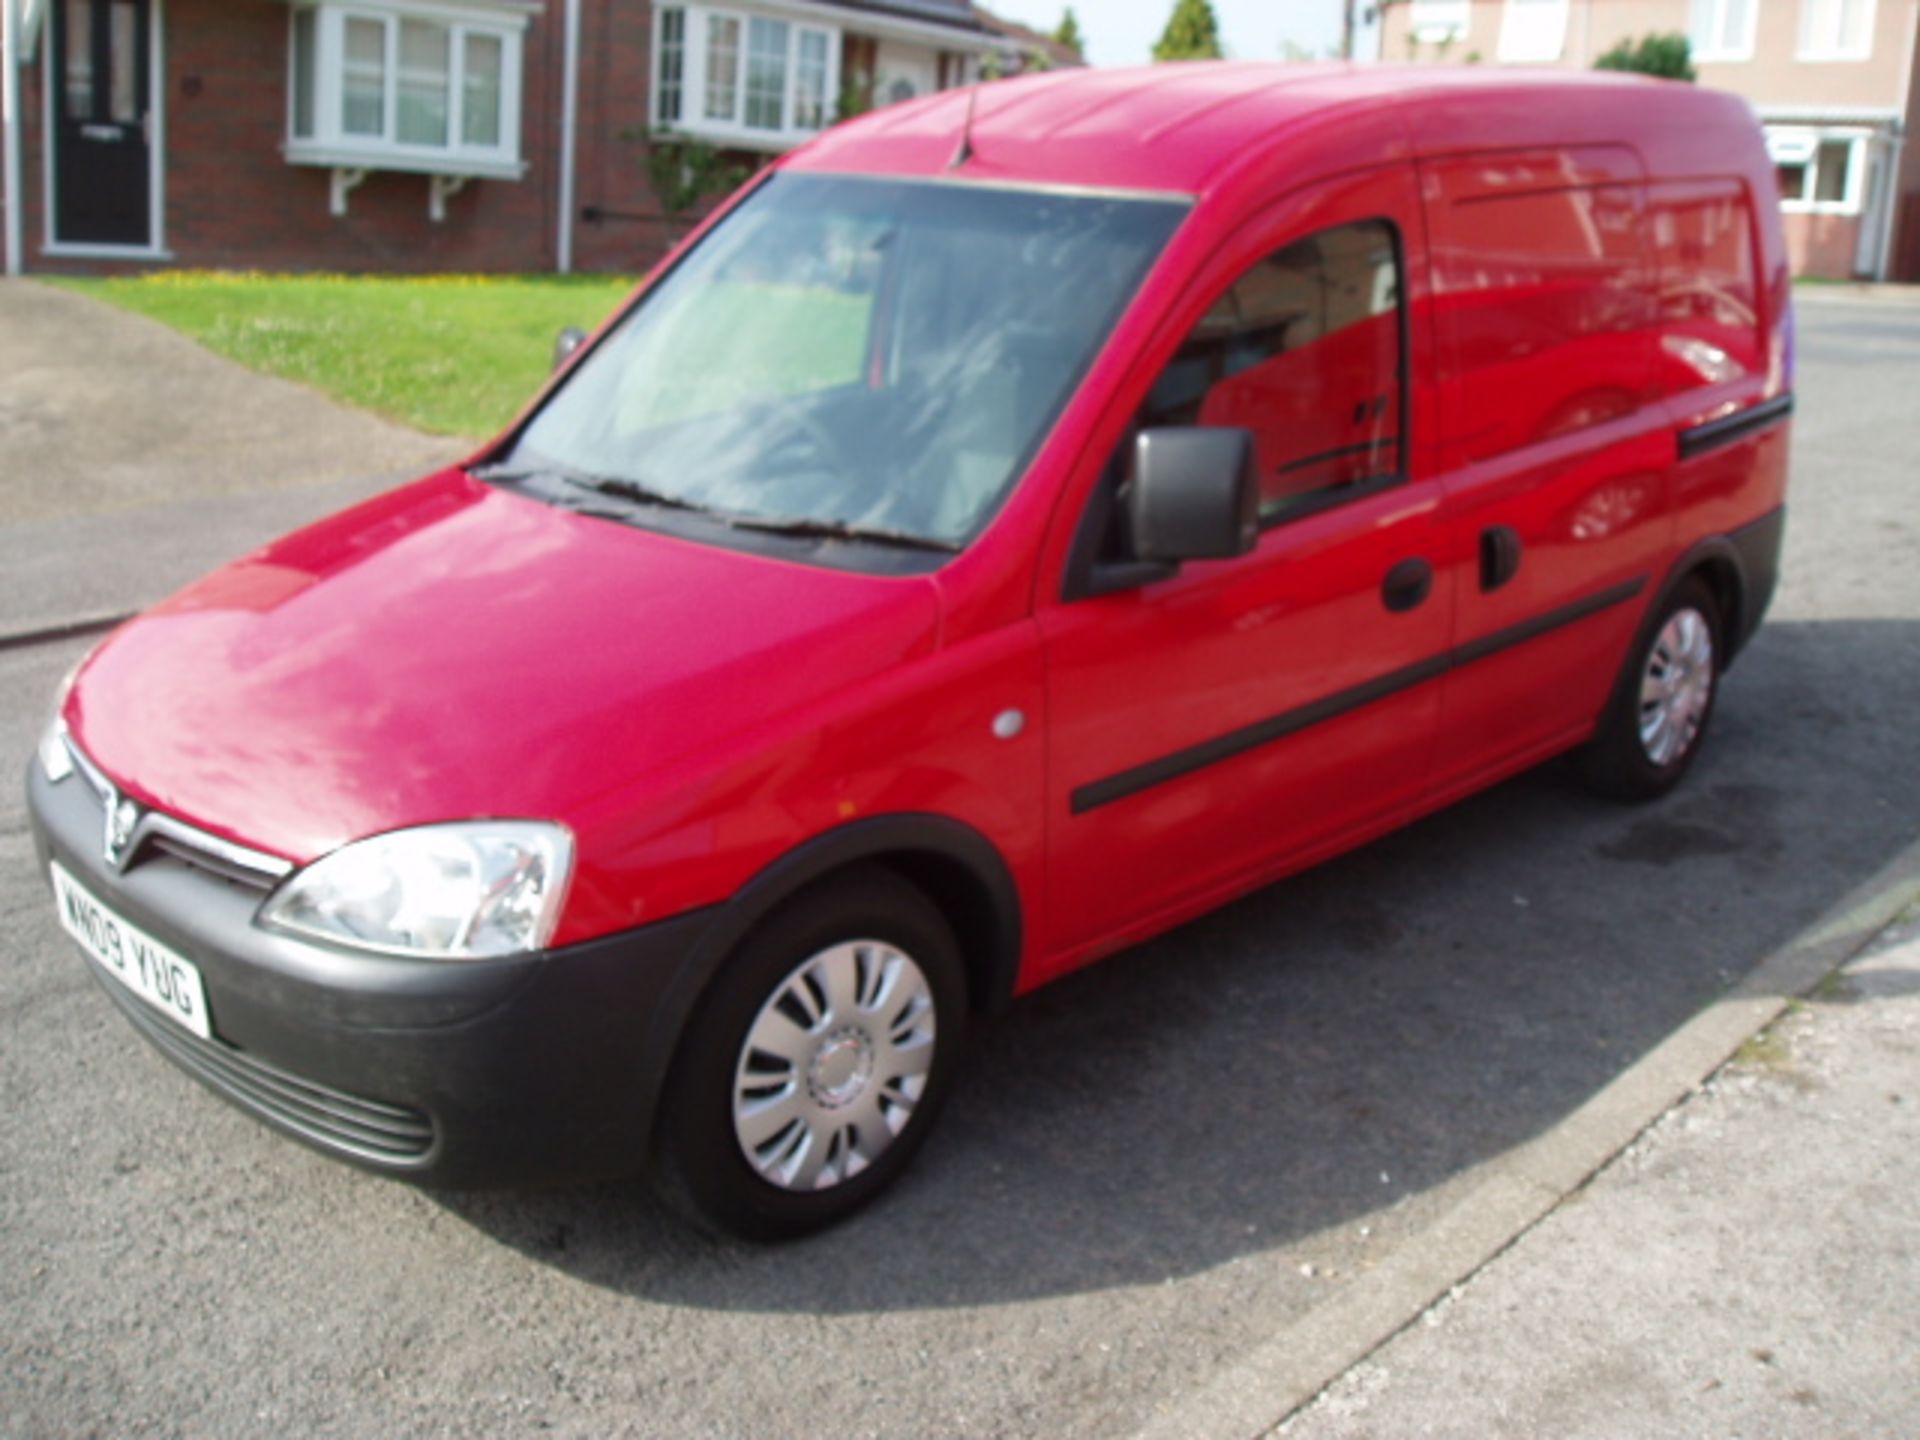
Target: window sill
point(1817, 207)
point(79, 250)
point(1832, 57)
point(381, 157)
point(1722, 57)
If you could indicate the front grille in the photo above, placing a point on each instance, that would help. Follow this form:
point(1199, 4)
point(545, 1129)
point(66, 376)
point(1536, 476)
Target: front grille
point(156, 830)
point(202, 858)
point(348, 1124)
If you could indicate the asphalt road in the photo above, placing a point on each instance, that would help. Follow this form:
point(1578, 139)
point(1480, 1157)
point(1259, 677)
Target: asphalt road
point(1147, 1169)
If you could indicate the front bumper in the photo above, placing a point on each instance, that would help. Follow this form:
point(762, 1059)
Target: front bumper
point(534, 1068)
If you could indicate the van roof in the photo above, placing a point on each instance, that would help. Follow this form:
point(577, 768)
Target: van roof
point(1184, 127)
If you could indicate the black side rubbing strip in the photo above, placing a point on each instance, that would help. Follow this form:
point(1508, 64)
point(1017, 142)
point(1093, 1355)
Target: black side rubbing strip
point(1698, 439)
point(1262, 732)
point(1540, 624)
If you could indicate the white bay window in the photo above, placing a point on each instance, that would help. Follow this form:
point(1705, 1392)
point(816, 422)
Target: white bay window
point(740, 78)
point(406, 86)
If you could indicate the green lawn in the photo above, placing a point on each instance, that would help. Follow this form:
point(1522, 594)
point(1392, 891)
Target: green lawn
point(451, 354)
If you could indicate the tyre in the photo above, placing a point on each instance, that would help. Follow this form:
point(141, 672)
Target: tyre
point(1658, 715)
point(817, 1062)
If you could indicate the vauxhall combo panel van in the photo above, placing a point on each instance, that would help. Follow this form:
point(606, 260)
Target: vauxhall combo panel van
point(1019, 521)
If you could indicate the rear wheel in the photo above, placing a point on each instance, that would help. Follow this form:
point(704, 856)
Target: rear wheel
point(1659, 712)
point(815, 1066)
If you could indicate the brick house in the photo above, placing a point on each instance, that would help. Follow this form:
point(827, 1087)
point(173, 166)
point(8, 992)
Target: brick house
point(1832, 81)
point(484, 135)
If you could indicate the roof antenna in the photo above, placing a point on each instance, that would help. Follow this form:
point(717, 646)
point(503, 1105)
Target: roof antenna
point(963, 152)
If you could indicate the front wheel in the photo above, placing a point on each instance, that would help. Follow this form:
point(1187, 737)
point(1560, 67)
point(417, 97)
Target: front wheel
point(1659, 712)
point(816, 1065)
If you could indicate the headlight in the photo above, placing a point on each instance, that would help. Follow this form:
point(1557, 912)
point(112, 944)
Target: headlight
point(56, 759)
point(486, 887)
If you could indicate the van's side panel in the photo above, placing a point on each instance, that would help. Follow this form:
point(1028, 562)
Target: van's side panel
point(1554, 446)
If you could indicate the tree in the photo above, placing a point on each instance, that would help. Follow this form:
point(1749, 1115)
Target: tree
point(1668, 56)
point(1069, 34)
point(1193, 33)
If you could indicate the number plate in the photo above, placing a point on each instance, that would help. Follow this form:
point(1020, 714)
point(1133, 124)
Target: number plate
point(167, 981)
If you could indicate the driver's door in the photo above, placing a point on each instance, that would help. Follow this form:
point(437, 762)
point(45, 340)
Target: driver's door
point(1251, 713)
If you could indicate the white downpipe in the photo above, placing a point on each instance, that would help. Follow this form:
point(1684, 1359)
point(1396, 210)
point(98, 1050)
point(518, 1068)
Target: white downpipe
point(1890, 207)
point(10, 135)
point(569, 123)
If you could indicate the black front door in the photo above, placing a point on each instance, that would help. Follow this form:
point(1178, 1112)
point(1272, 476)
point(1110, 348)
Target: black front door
point(103, 105)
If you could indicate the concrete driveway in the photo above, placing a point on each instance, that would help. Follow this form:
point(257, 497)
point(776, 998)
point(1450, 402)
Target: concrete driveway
point(111, 421)
point(1165, 1185)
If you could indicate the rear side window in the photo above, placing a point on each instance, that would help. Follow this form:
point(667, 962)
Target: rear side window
point(1543, 293)
point(1304, 350)
point(1710, 329)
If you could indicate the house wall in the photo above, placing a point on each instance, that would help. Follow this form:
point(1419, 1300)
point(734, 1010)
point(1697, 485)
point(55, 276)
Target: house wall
point(1774, 80)
point(629, 229)
point(1822, 245)
point(232, 200)
point(1772, 77)
point(1905, 262)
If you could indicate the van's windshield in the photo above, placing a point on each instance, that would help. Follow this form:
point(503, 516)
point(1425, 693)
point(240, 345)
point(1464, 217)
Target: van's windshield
point(850, 361)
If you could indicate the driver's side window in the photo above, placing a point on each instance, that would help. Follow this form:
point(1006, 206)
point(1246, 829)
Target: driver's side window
point(1305, 350)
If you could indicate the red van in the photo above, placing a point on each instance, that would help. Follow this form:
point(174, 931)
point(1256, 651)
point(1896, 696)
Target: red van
point(1020, 521)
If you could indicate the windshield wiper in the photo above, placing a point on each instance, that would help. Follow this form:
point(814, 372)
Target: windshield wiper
point(617, 486)
point(622, 488)
point(842, 530)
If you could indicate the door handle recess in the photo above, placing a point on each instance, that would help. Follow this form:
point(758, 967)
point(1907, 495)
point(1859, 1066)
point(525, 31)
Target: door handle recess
point(1499, 556)
point(1407, 584)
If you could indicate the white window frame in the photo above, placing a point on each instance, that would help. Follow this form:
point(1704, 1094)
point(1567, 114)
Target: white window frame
point(330, 144)
point(1830, 46)
point(1521, 20)
point(1801, 146)
point(732, 130)
point(1707, 22)
point(1437, 20)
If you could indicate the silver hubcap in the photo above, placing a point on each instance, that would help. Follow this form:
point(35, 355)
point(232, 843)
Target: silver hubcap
point(833, 1065)
point(1676, 687)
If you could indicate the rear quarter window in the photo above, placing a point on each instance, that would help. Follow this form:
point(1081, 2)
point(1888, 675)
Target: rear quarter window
point(1710, 323)
point(1543, 293)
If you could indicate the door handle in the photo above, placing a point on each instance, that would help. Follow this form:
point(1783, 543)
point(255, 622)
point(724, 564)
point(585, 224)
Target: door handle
point(1407, 584)
point(1499, 556)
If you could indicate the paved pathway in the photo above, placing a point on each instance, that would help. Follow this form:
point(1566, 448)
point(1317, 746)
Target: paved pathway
point(1747, 1268)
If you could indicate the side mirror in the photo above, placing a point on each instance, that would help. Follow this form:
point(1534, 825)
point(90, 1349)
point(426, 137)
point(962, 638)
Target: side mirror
point(1193, 494)
point(568, 341)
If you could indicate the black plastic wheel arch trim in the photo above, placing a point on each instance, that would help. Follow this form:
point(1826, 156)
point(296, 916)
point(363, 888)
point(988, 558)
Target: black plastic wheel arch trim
point(1262, 732)
point(1751, 554)
point(1698, 439)
point(878, 839)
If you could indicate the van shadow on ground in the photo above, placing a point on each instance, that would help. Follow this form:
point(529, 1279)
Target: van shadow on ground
point(1412, 1009)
